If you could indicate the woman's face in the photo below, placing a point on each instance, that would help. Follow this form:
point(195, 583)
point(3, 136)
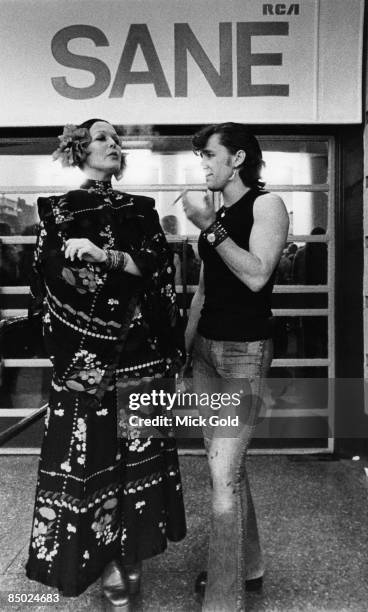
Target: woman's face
point(103, 152)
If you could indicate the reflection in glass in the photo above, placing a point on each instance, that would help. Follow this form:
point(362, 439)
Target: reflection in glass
point(18, 214)
point(15, 264)
point(300, 337)
point(303, 263)
point(24, 387)
point(186, 261)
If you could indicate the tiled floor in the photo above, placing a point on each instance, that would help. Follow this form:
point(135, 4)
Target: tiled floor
point(313, 517)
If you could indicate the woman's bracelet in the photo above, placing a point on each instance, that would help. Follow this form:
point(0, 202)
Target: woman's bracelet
point(215, 234)
point(116, 260)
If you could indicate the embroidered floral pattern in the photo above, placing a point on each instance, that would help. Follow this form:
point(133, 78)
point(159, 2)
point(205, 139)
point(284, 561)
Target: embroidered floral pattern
point(139, 505)
point(61, 212)
point(105, 524)
point(84, 279)
point(86, 374)
point(80, 435)
point(109, 242)
point(42, 534)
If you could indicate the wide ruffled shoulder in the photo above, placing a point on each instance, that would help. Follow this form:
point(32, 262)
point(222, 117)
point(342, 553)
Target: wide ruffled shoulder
point(46, 206)
point(60, 208)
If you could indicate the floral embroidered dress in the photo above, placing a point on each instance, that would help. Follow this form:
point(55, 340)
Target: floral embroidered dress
point(105, 489)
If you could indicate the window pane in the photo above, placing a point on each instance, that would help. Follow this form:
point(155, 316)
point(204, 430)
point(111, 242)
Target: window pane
point(295, 162)
point(300, 337)
point(303, 263)
point(25, 387)
point(22, 338)
point(299, 300)
point(15, 264)
point(307, 211)
point(299, 372)
point(18, 213)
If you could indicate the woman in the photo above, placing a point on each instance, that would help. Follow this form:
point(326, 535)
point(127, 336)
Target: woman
point(229, 336)
point(108, 492)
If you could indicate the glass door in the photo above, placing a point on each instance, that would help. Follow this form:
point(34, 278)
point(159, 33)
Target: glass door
point(299, 405)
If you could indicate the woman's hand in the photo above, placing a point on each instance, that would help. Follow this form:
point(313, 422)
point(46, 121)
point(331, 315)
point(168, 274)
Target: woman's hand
point(201, 212)
point(82, 248)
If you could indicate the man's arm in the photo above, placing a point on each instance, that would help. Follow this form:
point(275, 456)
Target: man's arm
point(266, 242)
point(194, 314)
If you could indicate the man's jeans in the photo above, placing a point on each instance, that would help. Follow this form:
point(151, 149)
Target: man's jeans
point(234, 551)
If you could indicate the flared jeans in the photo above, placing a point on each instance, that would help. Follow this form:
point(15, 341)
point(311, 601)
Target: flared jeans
point(232, 375)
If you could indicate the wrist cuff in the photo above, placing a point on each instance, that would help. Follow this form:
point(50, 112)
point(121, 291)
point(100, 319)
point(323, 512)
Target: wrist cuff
point(215, 234)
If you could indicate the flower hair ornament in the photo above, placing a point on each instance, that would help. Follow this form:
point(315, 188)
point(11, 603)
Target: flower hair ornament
point(72, 148)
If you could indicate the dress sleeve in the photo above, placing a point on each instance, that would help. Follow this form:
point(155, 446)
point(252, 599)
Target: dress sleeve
point(50, 268)
point(154, 252)
point(36, 283)
point(47, 256)
point(154, 258)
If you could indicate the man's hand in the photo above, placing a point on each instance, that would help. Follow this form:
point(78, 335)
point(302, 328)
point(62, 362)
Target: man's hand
point(201, 212)
point(82, 248)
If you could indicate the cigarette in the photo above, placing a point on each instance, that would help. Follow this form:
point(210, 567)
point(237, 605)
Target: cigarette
point(179, 196)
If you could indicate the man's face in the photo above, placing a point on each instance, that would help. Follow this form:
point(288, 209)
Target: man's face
point(217, 163)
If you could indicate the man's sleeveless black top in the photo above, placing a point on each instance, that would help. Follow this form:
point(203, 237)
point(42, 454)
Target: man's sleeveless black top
point(231, 310)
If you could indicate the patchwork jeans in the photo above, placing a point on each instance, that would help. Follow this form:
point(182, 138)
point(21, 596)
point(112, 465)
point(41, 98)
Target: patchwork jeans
point(229, 368)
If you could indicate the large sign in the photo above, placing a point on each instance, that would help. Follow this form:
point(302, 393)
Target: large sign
point(181, 61)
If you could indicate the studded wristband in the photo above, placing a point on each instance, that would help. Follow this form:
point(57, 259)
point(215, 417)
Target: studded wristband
point(116, 260)
point(215, 234)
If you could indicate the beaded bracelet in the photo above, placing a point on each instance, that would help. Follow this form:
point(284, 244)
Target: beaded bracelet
point(215, 234)
point(116, 260)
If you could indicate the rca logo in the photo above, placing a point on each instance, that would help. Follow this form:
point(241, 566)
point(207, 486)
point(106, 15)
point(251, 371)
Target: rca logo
point(281, 9)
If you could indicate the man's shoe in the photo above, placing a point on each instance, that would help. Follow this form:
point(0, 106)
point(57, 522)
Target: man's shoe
point(255, 584)
point(133, 575)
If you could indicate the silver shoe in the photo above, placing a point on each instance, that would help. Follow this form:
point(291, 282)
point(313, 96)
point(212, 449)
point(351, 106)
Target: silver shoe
point(114, 587)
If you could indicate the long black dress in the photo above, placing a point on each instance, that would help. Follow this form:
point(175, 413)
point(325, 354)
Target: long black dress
point(105, 489)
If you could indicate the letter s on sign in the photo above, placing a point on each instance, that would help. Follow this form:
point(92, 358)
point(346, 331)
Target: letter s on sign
point(60, 51)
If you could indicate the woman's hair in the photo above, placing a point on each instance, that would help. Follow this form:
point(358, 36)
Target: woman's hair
point(74, 141)
point(235, 137)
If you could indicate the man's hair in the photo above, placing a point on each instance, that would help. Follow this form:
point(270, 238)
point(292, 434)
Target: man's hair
point(235, 137)
point(170, 224)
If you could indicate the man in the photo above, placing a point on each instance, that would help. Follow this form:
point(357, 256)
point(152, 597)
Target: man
point(229, 338)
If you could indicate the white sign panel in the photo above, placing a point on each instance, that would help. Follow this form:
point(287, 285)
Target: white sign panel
point(181, 61)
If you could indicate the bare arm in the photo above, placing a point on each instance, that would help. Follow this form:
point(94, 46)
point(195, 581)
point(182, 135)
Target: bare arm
point(131, 267)
point(194, 314)
point(266, 242)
